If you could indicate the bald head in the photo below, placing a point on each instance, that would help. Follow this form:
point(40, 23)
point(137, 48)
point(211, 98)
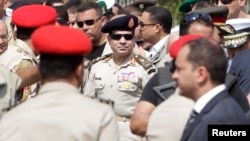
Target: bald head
point(172, 38)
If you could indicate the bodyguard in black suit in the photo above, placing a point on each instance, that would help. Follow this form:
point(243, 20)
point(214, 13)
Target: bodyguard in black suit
point(240, 68)
point(200, 74)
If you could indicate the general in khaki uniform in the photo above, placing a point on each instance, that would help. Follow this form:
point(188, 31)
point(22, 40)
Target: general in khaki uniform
point(59, 112)
point(22, 55)
point(122, 75)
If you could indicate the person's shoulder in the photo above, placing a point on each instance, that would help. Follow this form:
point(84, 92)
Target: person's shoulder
point(19, 52)
point(145, 63)
point(243, 55)
point(100, 59)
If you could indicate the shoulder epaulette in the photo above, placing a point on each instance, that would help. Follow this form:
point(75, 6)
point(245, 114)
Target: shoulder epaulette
point(86, 62)
point(101, 58)
point(98, 59)
point(146, 64)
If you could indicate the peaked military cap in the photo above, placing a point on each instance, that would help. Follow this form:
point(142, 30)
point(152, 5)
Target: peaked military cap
point(186, 6)
point(242, 31)
point(219, 17)
point(103, 6)
point(121, 22)
point(142, 4)
point(108, 3)
point(60, 40)
point(32, 16)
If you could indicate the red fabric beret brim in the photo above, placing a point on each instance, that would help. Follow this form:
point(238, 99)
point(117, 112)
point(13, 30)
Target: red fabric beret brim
point(182, 41)
point(61, 40)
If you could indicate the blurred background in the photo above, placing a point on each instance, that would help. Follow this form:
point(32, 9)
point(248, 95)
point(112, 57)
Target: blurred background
point(171, 5)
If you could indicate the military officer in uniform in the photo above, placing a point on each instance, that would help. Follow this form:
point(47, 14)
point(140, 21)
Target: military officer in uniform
point(122, 75)
point(22, 55)
point(59, 112)
point(10, 82)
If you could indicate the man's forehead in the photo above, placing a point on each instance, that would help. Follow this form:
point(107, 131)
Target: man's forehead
point(182, 55)
point(91, 11)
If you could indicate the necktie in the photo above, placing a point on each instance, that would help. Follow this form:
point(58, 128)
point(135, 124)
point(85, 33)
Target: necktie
point(191, 118)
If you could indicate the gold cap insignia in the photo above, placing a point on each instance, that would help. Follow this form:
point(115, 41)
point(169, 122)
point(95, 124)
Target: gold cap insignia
point(131, 23)
point(234, 41)
point(141, 6)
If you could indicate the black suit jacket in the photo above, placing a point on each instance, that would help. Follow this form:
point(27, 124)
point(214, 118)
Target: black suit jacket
point(222, 109)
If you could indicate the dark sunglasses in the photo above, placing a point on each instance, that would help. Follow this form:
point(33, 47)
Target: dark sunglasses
point(143, 24)
point(87, 22)
point(222, 1)
point(119, 36)
point(191, 17)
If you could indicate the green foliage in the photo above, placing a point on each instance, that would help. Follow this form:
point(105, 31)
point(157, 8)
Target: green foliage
point(172, 6)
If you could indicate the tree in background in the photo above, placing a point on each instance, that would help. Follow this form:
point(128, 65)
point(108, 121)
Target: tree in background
point(172, 6)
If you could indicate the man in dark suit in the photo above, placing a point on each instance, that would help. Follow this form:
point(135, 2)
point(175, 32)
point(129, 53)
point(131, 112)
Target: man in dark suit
point(240, 69)
point(200, 72)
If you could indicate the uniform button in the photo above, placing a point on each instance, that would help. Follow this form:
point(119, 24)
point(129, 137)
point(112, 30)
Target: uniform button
point(111, 86)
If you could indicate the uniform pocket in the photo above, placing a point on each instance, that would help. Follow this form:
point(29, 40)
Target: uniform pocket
point(126, 86)
point(99, 85)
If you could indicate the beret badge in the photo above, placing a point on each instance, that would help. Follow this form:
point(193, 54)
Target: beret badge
point(131, 23)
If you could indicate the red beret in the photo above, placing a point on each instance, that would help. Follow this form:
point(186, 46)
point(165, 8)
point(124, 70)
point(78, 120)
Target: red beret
point(32, 16)
point(60, 40)
point(183, 40)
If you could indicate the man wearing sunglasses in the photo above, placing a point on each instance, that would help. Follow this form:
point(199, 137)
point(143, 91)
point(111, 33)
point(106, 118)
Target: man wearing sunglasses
point(90, 19)
point(219, 17)
point(236, 8)
point(155, 25)
point(175, 108)
point(122, 75)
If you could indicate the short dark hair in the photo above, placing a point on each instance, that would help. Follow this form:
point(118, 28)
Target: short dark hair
point(24, 33)
point(203, 19)
point(203, 4)
point(131, 9)
point(90, 5)
point(162, 16)
point(58, 66)
point(204, 52)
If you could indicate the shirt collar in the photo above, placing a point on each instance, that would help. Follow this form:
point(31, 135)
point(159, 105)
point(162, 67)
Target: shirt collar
point(153, 51)
point(203, 100)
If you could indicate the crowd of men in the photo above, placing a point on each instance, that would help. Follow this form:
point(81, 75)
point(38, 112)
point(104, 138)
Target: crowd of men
point(96, 71)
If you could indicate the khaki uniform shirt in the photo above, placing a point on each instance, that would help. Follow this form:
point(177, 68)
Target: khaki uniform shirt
point(168, 120)
point(107, 49)
point(19, 57)
point(11, 40)
point(59, 113)
point(9, 83)
point(123, 84)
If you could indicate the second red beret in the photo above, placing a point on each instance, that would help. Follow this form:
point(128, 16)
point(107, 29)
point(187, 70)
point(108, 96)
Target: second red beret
point(32, 16)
